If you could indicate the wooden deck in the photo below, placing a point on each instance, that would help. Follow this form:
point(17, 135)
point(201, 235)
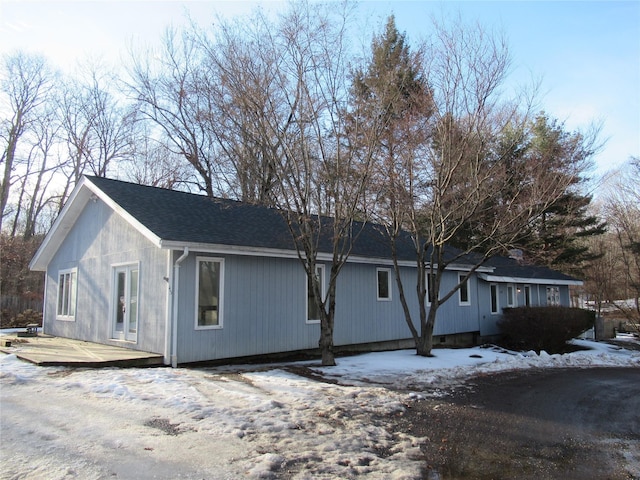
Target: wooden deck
point(46, 350)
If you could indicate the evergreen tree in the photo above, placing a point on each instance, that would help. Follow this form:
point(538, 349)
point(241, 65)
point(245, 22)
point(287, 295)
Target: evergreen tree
point(556, 239)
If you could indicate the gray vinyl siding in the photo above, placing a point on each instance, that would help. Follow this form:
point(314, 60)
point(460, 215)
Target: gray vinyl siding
point(100, 239)
point(488, 321)
point(264, 310)
point(452, 317)
point(360, 316)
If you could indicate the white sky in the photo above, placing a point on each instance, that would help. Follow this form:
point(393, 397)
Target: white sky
point(587, 53)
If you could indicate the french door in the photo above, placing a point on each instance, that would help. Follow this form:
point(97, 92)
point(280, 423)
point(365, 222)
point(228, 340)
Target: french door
point(125, 301)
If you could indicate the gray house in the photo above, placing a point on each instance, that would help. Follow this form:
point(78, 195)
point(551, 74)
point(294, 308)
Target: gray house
point(199, 279)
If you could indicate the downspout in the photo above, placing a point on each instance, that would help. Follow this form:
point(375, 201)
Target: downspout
point(174, 315)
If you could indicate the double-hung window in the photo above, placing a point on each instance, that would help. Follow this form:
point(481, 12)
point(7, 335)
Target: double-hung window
point(495, 306)
point(209, 292)
point(67, 290)
point(511, 296)
point(553, 296)
point(463, 291)
point(429, 275)
point(383, 276)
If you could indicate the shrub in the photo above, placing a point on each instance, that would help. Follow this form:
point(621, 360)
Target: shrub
point(543, 328)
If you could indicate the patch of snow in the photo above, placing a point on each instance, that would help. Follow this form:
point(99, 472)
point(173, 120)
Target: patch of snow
point(241, 422)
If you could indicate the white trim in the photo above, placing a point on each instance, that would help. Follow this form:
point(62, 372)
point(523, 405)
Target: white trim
point(321, 267)
point(220, 249)
point(533, 281)
point(127, 267)
point(220, 306)
point(426, 284)
point(389, 289)
point(168, 278)
point(466, 303)
point(84, 192)
point(513, 301)
point(73, 299)
point(497, 310)
point(124, 214)
point(553, 296)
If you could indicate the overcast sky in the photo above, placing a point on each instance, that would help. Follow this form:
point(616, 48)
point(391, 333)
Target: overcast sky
point(587, 53)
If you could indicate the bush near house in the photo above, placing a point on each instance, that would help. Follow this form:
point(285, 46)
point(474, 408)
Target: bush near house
point(27, 317)
point(543, 328)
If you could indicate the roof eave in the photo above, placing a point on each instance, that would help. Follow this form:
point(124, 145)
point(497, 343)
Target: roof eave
point(533, 281)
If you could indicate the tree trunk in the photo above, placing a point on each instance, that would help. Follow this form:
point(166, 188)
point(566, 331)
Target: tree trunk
point(326, 340)
point(425, 344)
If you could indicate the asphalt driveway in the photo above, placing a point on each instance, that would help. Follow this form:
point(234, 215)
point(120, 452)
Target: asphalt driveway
point(568, 423)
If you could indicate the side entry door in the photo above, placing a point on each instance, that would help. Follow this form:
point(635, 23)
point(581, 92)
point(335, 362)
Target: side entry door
point(125, 301)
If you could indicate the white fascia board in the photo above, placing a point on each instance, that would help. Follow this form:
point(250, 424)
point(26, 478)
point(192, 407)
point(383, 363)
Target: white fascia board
point(61, 226)
point(524, 280)
point(228, 249)
point(148, 234)
point(281, 253)
point(84, 192)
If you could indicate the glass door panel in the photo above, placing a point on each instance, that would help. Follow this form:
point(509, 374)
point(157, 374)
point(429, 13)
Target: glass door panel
point(126, 303)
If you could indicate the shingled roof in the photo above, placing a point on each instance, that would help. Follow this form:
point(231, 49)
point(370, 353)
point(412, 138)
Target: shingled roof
point(187, 218)
point(511, 270)
point(174, 219)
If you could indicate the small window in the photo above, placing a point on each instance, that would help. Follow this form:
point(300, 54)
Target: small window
point(430, 292)
point(384, 284)
point(313, 313)
point(511, 297)
point(494, 298)
point(67, 291)
point(209, 281)
point(553, 296)
point(463, 291)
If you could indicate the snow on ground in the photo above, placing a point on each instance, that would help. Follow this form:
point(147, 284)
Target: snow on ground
point(242, 422)
point(403, 369)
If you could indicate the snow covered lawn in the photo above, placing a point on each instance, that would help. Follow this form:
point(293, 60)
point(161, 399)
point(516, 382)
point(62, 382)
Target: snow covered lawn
point(239, 422)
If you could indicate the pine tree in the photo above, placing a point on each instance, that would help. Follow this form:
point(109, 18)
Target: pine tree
point(557, 238)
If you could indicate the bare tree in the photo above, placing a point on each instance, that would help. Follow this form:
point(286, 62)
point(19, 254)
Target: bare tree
point(623, 215)
point(320, 178)
point(459, 173)
point(153, 163)
point(38, 173)
point(169, 91)
point(25, 85)
point(250, 115)
point(97, 129)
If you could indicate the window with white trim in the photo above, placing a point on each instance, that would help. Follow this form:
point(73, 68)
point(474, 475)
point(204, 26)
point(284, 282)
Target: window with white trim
point(209, 292)
point(383, 276)
point(511, 296)
point(553, 296)
point(463, 292)
point(495, 306)
point(67, 292)
point(313, 313)
point(429, 285)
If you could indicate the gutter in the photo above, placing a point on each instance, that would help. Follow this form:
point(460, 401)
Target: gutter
point(174, 303)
